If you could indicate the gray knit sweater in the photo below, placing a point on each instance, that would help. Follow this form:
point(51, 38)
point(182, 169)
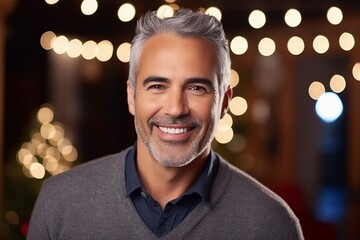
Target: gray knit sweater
point(89, 202)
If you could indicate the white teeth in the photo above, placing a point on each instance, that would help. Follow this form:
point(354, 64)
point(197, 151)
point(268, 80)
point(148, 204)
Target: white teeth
point(174, 130)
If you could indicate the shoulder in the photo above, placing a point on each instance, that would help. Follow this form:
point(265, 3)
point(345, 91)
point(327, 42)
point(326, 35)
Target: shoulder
point(250, 194)
point(96, 174)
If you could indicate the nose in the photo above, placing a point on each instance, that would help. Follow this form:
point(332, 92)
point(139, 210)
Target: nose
point(176, 104)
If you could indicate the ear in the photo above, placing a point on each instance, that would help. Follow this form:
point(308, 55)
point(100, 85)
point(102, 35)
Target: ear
point(130, 97)
point(225, 105)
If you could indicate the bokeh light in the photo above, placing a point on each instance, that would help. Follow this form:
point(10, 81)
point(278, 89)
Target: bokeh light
point(165, 11)
point(104, 50)
point(238, 106)
point(316, 89)
point(266, 46)
point(321, 44)
point(292, 17)
point(234, 78)
point(257, 19)
point(89, 50)
point(329, 107)
point(334, 15)
point(337, 83)
point(356, 71)
point(75, 48)
point(123, 52)
point(126, 12)
point(89, 7)
point(47, 40)
point(215, 12)
point(61, 44)
point(239, 45)
point(346, 41)
point(51, 2)
point(295, 45)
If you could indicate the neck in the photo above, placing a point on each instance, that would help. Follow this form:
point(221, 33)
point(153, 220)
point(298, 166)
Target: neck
point(167, 183)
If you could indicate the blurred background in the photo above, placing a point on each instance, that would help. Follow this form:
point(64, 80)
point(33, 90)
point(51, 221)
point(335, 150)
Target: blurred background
point(293, 124)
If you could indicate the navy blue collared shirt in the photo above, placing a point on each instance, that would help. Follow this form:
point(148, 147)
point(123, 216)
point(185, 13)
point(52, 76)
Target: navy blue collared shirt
point(162, 221)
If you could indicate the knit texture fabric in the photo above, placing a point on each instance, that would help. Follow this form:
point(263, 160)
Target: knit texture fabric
point(89, 202)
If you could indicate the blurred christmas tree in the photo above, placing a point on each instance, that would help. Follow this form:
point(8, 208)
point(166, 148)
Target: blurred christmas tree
point(48, 152)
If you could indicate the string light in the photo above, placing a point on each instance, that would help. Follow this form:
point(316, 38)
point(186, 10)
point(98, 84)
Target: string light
point(295, 45)
point(316, 89)
point(266, 46)
point(126, 12)
point(257, 19)
point(239, 45)
point(321, 44)
point(89, 7)
point(346, 41)
point(337, 83)
point(214, 11)
point(292, 17)
point(334, 15)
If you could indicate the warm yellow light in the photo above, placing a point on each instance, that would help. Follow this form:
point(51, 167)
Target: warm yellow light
point(266, 46)
point(215, 12)
point(104, 51)
point(126, 12)
point(356, 71)
point(238, 106)
point(63, 144)
point(165, 11)
point(316, 89)
point(24, 156)
point(75, 48)
point(47, 40)
point(47, 131)
point(334, 15)
point(61, 44)
point(170, 1)
point(321, 44)
point(50, 163)
point(295, 45)
point(71, 156)
point(225, 123)
point(346, 41)
point(89, 7)
point(51, 2)
point(337, 83)
point(224, 137)
point(89, 50)
point(123, 52)
point(239, 45)
point(257, 19)
point(37, 170)
point(45, 115)
point(293, 18)
point(234, 78)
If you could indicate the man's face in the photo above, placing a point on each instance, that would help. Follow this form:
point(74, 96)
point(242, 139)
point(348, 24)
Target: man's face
point(176, 102)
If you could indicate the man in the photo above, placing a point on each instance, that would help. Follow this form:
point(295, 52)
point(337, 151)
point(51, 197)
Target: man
point(170, 184)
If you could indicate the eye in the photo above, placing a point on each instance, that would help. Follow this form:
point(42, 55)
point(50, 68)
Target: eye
point(156, 87)
point(199, 89)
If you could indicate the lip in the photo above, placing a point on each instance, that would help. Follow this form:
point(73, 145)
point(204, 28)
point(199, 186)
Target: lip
point(174, 133)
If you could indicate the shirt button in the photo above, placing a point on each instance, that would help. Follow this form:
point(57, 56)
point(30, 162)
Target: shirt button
point(143, 195)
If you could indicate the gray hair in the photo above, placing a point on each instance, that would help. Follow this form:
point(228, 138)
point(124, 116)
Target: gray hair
point(186, 23)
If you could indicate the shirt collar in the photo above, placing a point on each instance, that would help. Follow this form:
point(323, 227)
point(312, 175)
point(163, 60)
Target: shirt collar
point(202, 186)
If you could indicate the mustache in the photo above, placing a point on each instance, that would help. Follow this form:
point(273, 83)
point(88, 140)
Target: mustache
point(168, 120)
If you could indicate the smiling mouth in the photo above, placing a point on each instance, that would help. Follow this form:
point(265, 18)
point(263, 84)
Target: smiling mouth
point(174, 130)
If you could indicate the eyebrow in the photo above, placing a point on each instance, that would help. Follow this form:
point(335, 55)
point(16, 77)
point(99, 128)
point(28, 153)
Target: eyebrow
point(154, 79)
point(198, 80)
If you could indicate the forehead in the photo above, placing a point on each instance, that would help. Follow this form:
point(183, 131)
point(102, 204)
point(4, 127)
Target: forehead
point(169, 50)
point(169, 53)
